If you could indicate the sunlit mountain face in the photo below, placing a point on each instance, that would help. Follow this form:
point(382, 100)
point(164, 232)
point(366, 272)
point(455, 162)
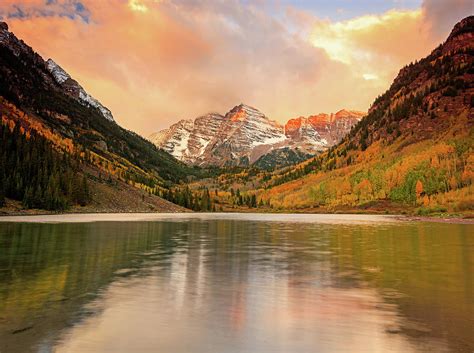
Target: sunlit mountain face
point(153, 63)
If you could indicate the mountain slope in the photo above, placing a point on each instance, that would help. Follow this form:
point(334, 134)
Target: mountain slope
point(189, 138)
point(280, 158)
point(244, 135)
point(39, 96)
point(415, 147)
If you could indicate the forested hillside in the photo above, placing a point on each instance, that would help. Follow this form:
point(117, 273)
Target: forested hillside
point(33, 104)
point(414, 148)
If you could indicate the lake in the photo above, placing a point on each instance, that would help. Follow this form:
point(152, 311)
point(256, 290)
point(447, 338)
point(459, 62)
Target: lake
point(235, 283)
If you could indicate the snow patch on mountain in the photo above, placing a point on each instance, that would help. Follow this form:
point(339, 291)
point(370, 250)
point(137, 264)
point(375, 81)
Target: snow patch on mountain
point(91, 101)
point(59, 74)
point(76, 90)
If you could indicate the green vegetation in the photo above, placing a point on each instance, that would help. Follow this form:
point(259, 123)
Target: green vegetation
point(414, 149)
point(31, 171)
point(197, 201)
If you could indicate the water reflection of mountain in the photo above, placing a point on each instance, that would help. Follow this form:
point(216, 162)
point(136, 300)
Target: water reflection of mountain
point(243, 278)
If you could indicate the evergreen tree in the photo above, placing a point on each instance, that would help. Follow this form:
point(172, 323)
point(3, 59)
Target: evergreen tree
point(2, 190)
point(254, 201)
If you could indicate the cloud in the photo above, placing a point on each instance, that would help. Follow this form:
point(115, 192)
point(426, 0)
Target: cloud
point(374, 46)
point(180, 59)
point(72, 9)
point(442, 15)
point(153, 62)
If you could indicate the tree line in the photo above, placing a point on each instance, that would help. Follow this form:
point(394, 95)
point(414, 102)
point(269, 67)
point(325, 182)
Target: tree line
point(197, 201)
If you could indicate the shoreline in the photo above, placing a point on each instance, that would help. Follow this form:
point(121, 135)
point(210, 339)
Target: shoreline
point(437, 219)
point(84, 217)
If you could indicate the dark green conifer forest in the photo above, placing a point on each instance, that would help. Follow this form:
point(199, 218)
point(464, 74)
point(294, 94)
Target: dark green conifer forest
point(33, 172)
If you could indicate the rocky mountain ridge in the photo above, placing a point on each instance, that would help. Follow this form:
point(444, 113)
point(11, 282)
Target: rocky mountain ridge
point(244, 135)
point(70, 86)
point(75, 89)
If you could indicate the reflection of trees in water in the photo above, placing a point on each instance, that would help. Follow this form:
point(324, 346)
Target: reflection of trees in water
point(51, 272)
point(425, 269)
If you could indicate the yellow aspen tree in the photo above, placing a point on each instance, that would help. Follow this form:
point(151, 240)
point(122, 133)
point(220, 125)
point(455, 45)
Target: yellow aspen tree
point(426, 200)
point(453, 183)
point(418, 188)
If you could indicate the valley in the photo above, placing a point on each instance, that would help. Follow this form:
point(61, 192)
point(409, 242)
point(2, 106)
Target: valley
point(411, 153)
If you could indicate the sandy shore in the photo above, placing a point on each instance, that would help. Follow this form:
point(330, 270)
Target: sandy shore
point(262, 217)
point(150, 217)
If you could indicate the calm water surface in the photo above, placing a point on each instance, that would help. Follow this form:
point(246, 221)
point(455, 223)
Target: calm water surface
point(242, 283)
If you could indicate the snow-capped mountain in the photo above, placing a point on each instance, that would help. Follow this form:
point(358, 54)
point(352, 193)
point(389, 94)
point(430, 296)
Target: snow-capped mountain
point(75, 89)
point(188, 139)
point(245, 134)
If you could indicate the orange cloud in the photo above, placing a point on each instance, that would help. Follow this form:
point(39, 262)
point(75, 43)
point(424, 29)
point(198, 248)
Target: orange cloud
point(375, 46)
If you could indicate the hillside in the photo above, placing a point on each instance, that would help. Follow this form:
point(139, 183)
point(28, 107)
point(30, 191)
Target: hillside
point(40, 98)
point(414, 148)
point(245, 136)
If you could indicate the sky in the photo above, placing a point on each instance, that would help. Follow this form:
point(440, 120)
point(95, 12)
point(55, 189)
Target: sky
point(154, 62)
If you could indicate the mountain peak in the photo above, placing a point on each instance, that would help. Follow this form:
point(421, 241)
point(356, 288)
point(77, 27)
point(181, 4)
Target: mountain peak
point(461, 37)
point(244, 134)
point(463, 26)
point(243, 112)
point(53, 74)
point(246, 108)
point(344, 113)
